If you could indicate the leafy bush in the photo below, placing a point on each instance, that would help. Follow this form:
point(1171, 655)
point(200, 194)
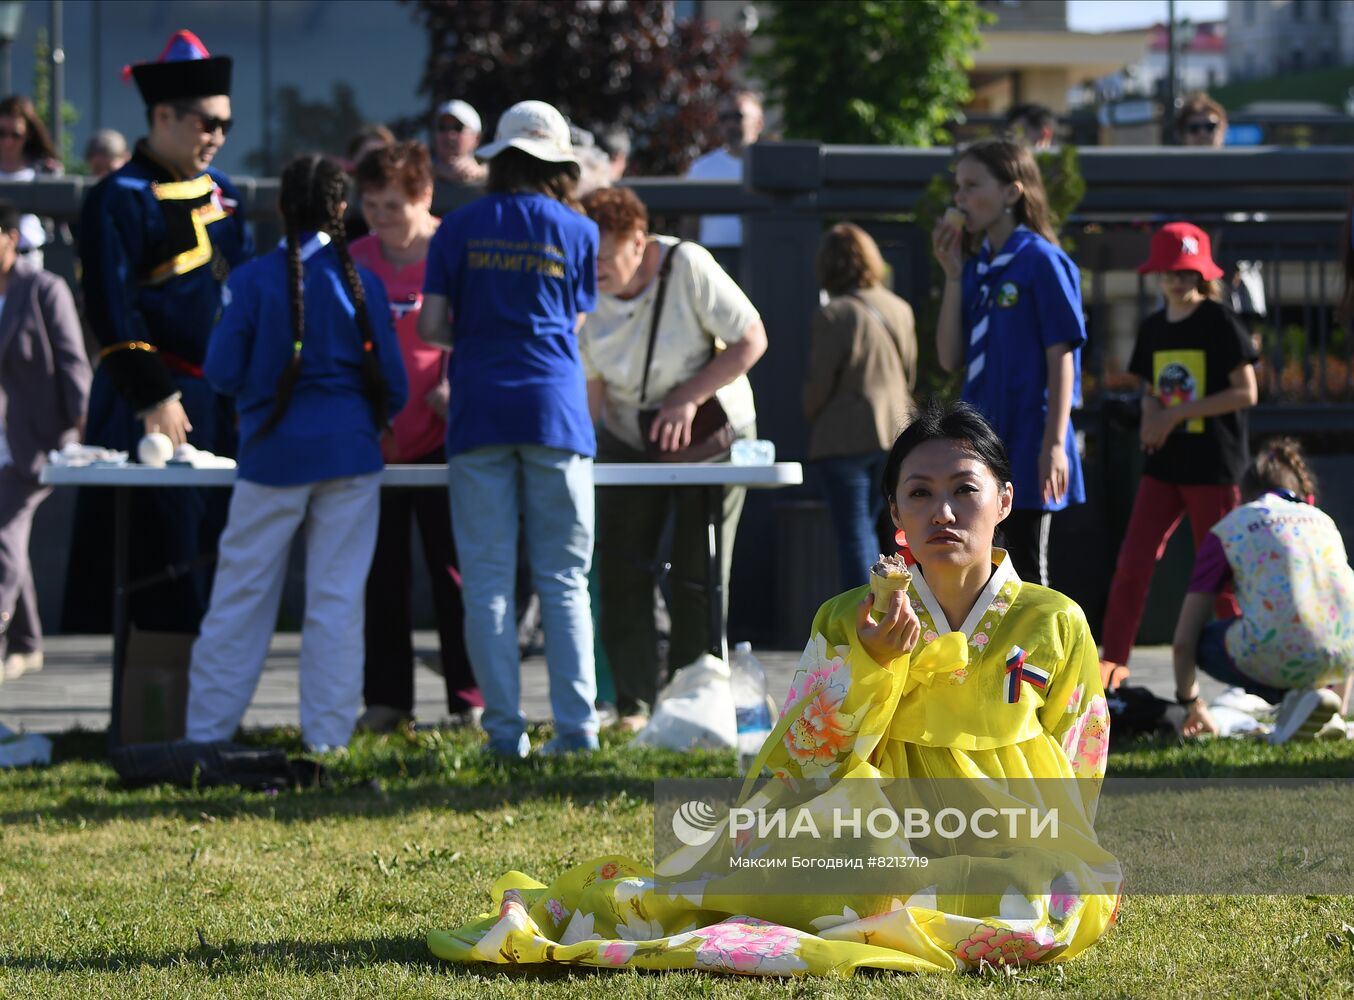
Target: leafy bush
point(602, 64)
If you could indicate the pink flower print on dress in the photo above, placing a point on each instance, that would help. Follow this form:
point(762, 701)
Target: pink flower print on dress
point(981, 639)
point(999, 946)
point(958, 676)
point(557, 910)
point(1061, 905)
point(1074, 702)
point(821, 733)
point(513, 907)
point(930, 636)
point(834, 675)
point(1072, 738)
point(608, 871)
point(617, 952)
point(1092, 747)
point(749, 946)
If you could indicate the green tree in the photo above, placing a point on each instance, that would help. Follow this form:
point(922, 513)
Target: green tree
point(628, 63)
point(870, 71)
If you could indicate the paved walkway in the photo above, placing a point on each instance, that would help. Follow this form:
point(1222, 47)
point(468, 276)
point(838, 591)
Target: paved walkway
point(73, 690)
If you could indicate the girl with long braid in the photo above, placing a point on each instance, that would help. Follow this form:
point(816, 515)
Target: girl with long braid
point(304, 344)
point(1295, 634)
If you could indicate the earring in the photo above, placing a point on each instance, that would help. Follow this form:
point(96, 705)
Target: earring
point(1007, 209)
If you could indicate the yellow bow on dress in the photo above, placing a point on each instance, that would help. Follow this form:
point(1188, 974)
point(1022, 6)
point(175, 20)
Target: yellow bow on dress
point(944, 655)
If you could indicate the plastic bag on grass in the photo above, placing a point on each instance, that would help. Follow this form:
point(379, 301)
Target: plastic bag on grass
point(695, 711)
point(23, 749)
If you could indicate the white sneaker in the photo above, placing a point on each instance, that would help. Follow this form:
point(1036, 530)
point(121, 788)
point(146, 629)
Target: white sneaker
point(18, 664)
point(1307, 715)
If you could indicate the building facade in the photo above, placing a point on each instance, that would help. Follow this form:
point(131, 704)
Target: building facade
point(373, 46)
point(1030, 55)
point(1270, 37)
point(1200, 57)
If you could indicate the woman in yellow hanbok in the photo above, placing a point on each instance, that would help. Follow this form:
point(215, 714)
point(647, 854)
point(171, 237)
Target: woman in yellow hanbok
point(972, 676)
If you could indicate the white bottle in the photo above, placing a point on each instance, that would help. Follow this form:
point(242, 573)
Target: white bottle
point(749, 704)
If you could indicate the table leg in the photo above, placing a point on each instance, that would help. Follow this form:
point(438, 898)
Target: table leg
point(714, 580)
point(121, 527)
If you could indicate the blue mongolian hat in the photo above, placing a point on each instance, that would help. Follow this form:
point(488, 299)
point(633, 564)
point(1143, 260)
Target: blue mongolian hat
point(184, 71)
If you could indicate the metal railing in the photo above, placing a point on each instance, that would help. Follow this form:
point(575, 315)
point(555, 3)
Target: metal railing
point(1283, 208)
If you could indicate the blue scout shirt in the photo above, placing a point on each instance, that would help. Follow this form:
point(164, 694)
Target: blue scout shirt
point(517, 269)
point(327, 431)
point(1033, 302)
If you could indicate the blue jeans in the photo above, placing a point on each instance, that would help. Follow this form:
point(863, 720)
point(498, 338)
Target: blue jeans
point(851, 487)
point(1216, 662)
point(553, 488)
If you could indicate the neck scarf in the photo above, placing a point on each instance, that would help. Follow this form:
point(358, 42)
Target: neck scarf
point(317, 242)
point(990, 272)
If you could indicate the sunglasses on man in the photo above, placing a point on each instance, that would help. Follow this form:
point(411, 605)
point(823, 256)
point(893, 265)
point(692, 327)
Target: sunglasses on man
point(450, 125)
point(208, 123)
point(1201, 128)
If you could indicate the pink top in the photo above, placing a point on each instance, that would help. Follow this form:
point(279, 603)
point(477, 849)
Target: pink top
point(1212, 571)
point(418, 430)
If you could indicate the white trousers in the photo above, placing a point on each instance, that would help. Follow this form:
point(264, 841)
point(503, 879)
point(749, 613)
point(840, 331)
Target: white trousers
point(340, 520)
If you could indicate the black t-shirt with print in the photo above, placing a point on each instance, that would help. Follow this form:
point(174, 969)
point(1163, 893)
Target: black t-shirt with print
point(1185, 361)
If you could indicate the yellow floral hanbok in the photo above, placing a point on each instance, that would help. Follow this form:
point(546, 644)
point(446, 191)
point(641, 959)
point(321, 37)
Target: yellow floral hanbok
point(1011, 698)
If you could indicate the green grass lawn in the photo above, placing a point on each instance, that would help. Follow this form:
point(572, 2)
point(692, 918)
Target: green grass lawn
point(329, 892)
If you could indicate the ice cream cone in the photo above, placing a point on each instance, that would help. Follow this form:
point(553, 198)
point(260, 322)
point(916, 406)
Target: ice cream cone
point(888, 574)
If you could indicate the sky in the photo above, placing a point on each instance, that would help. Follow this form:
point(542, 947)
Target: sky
point(1107, 15)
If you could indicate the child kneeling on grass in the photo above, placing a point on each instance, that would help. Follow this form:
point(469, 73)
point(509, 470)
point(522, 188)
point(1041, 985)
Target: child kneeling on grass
point(305, 345)
point(1295, 635)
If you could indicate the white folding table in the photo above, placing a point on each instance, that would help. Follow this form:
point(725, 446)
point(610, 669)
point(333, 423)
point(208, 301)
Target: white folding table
point(122, 479)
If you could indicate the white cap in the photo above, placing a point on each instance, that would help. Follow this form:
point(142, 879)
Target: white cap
point(535, 128)
point(462, 112)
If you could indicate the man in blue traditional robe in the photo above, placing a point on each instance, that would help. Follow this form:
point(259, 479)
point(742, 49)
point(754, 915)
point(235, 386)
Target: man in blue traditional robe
point(157, 239)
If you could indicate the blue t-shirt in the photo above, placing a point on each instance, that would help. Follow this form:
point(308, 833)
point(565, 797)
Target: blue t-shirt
point(517, 269)
point(1035, 304)
point(327, 431)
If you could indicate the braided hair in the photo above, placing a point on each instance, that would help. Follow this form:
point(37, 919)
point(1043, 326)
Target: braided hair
point(1279, 465)
point(313, 191)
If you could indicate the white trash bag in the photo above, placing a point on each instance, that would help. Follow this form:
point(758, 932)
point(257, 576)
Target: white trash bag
point(1239, 714)
point(695, 711)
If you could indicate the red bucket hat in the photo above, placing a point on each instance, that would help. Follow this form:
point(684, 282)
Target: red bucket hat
point(1181, 246)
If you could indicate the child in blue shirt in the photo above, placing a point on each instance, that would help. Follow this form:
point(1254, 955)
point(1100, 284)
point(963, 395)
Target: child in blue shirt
point(517, 270)
point(304, 344)
point(1011, 318)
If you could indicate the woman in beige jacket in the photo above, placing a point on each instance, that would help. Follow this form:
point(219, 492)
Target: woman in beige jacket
point(858, 391)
